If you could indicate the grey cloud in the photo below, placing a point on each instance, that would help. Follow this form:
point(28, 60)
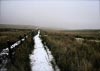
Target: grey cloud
point(53, 14)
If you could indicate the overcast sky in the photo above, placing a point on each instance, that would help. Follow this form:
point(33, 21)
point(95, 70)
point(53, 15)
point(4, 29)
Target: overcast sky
point(73, 14)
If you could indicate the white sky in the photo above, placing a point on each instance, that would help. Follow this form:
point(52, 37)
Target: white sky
point(53, 14)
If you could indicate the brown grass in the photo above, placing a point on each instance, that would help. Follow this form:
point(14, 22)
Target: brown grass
point(71, 55)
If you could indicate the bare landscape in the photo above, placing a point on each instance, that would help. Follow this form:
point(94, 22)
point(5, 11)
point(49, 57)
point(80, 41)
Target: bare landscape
point(49, 35)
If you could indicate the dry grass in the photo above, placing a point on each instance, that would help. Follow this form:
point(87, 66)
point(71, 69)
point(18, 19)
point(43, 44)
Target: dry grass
point(71, 55)
point(10, 34)
point(20, 60)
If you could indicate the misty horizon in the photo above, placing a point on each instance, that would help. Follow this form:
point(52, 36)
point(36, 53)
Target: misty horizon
point(51, 14)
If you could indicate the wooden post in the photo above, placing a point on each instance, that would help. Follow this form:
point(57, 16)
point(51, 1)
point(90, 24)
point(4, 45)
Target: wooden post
point(25, 36)
point(20, 37)
point(10, 51)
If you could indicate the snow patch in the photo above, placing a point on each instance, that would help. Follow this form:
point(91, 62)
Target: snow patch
point(40, 61)
point(51, 58)
point(5, 52)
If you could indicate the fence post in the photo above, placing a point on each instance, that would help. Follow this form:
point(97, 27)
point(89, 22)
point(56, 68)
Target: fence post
point(20, 37)
point(10, 51)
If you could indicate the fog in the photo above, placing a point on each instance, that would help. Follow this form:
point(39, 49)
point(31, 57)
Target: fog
point(73, 14)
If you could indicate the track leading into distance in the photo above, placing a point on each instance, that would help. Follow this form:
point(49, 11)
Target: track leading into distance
point(41, 58)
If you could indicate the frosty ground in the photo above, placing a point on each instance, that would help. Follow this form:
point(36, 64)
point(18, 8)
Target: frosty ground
point(41, 58)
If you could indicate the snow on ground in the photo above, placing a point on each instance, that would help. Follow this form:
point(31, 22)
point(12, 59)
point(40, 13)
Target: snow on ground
point(40, 58)
point(56, 68)
point(4, 54)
